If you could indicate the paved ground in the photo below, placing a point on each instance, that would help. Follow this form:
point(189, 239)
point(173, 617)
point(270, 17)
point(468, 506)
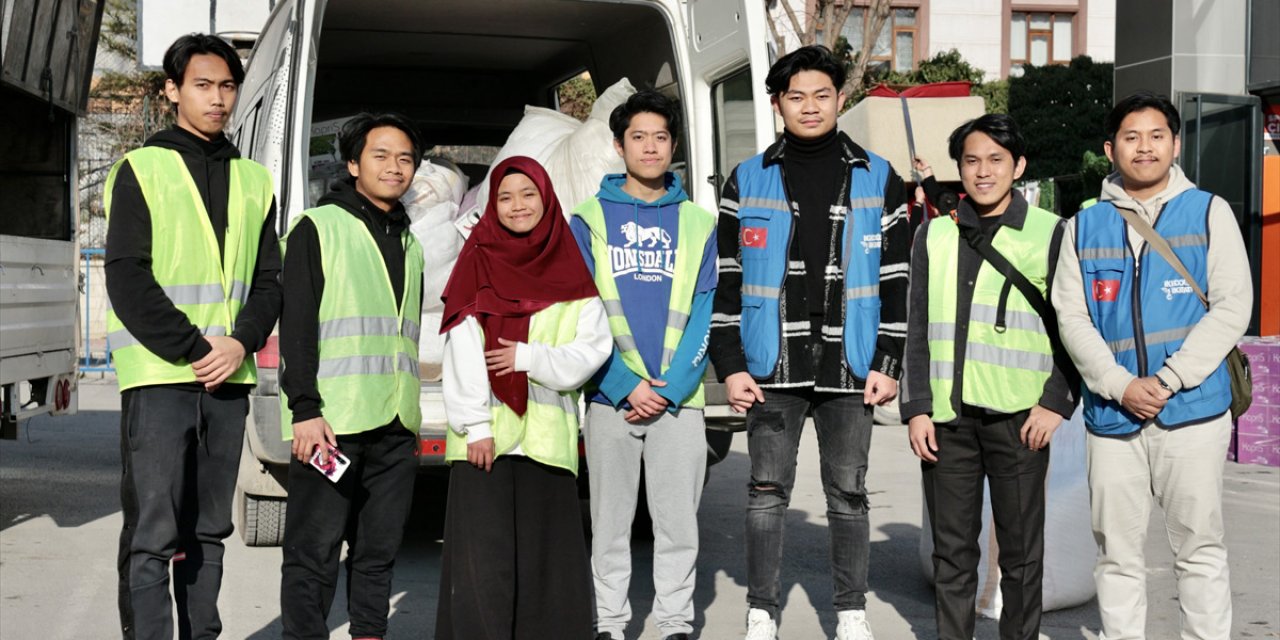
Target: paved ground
point(60, 516)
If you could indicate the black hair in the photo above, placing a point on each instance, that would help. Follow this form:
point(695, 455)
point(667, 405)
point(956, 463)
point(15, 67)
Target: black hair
point(194, 44)
point(647, 101)
point(1138, 102)
point(356, 130)
point(814, 57)
point(1000, 127)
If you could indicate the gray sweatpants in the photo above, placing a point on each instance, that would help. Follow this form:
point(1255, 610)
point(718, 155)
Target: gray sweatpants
point(673, 450)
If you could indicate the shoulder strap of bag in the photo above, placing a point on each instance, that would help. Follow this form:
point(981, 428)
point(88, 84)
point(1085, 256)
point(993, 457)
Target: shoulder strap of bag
point(1162, 247)
point(982, 244)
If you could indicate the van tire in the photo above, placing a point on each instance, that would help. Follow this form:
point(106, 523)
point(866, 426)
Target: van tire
point(262, 521)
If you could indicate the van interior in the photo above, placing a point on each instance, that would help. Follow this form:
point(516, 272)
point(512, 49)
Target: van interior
point(465, 70)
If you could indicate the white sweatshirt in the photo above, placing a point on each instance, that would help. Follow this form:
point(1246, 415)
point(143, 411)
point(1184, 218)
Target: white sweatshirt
point(564, 368)
point(1230, 294)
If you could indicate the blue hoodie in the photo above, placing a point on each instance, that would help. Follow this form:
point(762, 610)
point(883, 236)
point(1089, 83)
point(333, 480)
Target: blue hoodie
point(643, 237)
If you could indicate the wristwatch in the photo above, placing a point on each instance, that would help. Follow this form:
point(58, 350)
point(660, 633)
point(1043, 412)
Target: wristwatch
point(1163, 383)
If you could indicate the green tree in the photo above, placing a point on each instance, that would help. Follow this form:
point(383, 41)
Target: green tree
point(1060, 110)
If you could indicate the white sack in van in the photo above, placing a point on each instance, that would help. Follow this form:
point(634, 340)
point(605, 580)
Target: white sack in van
point(432, 202)
point(1069, 550)
point(576, 155)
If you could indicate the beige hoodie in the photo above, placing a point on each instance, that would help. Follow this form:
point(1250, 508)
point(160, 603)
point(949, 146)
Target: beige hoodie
point(1230, 293)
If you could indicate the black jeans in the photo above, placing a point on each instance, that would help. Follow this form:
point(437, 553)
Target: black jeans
point(515, 563)
point(971, 450)
point(368, 508)
point(843, 425)
point(180, 451)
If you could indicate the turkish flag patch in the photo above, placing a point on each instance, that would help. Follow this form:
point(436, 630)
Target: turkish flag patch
point(1106, 290)
point(756, 237)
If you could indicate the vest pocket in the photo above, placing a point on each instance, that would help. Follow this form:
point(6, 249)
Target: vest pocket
point(861, 328)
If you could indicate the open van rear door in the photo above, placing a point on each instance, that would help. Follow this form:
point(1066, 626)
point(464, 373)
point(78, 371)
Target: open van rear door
point(266, 111)
point(730, 118)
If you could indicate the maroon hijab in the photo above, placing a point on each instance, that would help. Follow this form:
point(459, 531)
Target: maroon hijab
point(503, 278)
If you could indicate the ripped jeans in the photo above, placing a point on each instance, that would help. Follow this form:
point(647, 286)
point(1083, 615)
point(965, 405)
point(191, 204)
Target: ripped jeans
point(843, 426)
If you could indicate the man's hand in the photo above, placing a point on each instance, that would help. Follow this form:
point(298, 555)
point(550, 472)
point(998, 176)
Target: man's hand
point(1144, 397)
point(480, 453)
point(224, 358)
point(880, 389)
point(742, 391)
point(502, 361)
point(309, 434)
point(924, 441)
point(1039, 428)
point(645, 402)
point(922, 167)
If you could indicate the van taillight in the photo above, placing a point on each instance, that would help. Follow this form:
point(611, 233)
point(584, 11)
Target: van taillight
point(269, 355)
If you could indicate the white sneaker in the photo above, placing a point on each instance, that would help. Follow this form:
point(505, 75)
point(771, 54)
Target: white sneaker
point(853, 625)
point(760, 626)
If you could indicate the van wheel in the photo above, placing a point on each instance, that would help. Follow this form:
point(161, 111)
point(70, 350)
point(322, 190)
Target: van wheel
point(262, 520)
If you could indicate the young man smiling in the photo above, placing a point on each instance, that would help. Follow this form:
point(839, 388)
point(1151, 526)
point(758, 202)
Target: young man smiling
point(651, 252)
point(809, 319)
point(1152, 357)
point(192, 266)
point(349, 380)
point(980, 391)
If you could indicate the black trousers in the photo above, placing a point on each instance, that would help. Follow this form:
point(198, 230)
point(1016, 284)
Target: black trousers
point(515, 561)
point(971, 450)
point(180, 451)
point(368, 508)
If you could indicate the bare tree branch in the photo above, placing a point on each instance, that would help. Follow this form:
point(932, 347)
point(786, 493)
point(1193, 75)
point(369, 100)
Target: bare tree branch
point(795, 20)
point(877, 15)
point(778, 40)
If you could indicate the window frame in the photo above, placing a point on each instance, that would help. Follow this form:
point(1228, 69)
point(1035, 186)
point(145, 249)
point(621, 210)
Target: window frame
point(1028, 33)
point(891, 27)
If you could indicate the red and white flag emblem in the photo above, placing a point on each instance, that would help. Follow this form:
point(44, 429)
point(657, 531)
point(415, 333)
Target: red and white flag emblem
point(1106, 290)
point(756, 237)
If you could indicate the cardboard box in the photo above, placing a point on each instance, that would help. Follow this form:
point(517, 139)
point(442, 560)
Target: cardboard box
point(1258, 449)
point(1257, 420)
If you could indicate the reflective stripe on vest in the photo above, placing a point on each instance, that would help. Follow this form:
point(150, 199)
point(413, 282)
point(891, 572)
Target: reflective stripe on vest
point(764, 219)
point(1145, 314)
point(207, 285)
point(548, 431)
point(367, 373)
point(1004, 369)
point(695, 228)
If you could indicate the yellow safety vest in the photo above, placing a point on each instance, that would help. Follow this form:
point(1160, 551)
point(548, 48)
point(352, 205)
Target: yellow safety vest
point(695, 226)
point(208, 287)
point(368, 346)
point(1004, 370)
point(548, 430)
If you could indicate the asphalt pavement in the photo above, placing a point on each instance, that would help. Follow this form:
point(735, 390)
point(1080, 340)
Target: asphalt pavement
point(60, 521)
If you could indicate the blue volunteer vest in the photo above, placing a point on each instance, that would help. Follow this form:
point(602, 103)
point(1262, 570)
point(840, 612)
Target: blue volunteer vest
point(1144, 309)
point(764, 217)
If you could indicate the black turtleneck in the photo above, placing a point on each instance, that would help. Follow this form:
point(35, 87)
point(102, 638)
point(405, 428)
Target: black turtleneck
point(304, 280)
point(814, 171)
point(138, 299)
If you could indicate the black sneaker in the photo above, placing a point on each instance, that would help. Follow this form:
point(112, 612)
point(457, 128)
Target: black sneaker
point(677, 636)
point(604, 635)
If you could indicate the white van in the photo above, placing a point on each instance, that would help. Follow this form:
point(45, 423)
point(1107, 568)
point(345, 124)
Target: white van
point(464, 71)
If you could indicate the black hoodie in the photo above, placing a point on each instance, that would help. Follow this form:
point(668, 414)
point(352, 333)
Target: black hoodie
point(304, 280)
point(137, 298)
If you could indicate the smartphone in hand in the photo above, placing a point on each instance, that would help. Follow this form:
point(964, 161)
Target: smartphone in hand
point(334, 467)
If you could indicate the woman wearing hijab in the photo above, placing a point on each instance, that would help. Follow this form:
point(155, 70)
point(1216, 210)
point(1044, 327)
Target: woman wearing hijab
point(524, 330)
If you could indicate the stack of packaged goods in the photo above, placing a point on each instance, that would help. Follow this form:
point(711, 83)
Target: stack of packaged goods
point(1257, 437)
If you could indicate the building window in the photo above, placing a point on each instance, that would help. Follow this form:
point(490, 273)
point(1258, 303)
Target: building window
point(895, 48)
point(1039, 39)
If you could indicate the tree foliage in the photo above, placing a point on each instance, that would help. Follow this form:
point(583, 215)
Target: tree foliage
point(576, 96)
point(1061, 110)
point(946, 66)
